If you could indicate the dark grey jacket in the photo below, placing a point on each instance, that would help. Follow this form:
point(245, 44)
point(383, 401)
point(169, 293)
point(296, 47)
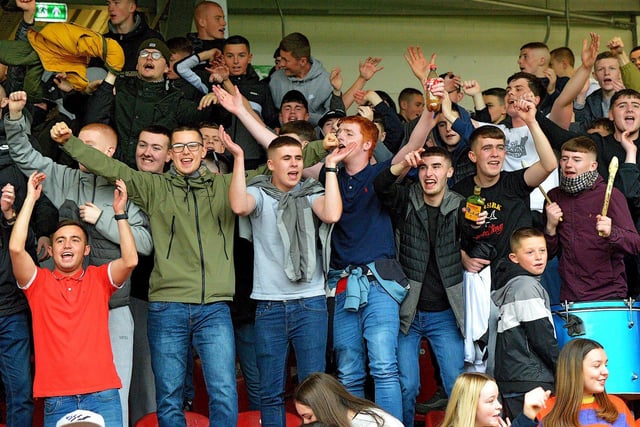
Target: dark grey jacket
point(409, 216)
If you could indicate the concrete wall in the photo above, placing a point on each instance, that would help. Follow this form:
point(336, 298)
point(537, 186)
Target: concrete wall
point(480, 48)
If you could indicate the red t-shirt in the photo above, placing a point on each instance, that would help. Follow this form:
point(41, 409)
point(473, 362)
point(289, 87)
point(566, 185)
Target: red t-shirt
point(71, 332)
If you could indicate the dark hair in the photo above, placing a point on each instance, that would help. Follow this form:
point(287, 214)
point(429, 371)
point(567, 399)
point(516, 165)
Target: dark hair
point(521, 234)
point(294, 96)
point(71, 222)
point(635, 49)
point(437, 151)
point(282, 141)
point(561, 53)
point(407, 93)
point(180, 44)
point(495, 91)
point(580, 144)
point(302, 128)
point(185, 129)
point(604, 55)
point(386, 98)
point(157, 129)
point(297, 44)
point(486, 131)
point(237, 39)
point(624, 92)
point(208, 125)
point(602, 122)
point(535, 84)
point(534, 45)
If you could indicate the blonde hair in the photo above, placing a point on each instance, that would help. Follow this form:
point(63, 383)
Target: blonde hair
point(463, 402)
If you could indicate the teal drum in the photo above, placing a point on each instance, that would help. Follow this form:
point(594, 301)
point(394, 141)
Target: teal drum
point(614, 324)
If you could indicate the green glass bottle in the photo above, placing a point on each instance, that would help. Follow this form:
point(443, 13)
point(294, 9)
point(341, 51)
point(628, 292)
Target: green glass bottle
point(475, 204)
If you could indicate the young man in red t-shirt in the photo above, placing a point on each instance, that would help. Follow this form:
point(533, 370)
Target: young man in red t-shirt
point(70, 310)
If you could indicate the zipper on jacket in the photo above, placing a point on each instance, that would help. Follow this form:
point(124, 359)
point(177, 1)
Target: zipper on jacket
point(171, 234)
point(202, 271)
point(224, 239)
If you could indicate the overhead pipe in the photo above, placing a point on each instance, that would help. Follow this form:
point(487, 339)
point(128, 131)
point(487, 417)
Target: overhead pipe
point(559, 13)
point(567, 23)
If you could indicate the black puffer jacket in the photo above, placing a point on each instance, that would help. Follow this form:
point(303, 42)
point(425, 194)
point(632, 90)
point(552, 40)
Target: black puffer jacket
point(408, 212)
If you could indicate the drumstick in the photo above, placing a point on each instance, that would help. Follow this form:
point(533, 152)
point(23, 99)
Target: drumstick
point(613, 169)
point(544, 193)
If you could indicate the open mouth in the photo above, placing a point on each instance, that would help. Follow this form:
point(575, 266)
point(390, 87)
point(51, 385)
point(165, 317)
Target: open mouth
point(430, 183)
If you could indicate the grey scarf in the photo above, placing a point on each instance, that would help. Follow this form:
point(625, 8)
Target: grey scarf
point(296, 225)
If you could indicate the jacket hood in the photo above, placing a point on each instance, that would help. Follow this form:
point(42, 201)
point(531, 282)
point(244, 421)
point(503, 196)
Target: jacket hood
point(449, 201)
point(316, 71)
point(463, 144)
point(139, 26)
point(501, 276)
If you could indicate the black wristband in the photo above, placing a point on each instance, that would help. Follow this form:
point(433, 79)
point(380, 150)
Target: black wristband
point(12, 220)
point(334, 170)
point(118, 217)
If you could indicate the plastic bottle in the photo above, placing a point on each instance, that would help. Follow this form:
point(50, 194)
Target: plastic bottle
point(433, 102)
point(475, 204)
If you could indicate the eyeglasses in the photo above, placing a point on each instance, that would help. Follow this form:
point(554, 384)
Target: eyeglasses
point(192, 146)
point(154, 55)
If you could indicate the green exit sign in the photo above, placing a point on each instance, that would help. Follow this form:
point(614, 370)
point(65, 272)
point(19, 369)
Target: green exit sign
point(51, 12)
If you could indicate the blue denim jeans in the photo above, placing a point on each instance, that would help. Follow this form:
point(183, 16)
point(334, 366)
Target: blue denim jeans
point(441, 329)
point(246, 352)
point(377, 324)
point(303, 323)
point(105, 403)
point(15, 367)
point(172, 328)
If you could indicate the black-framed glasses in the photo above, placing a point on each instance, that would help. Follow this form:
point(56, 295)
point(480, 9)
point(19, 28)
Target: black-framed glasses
point(192, 146)
point(154, 55)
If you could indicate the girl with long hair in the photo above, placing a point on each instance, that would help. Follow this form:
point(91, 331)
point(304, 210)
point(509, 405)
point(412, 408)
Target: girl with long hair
point(581, 398)
point(321, 399)
point(474, 403)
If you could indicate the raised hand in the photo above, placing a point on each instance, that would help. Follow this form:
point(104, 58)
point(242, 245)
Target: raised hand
point(7, 200)
point(228, 143)
point(336, 79)
point(119, 197)
point(369, 67)
point(417, 61)
point(90, 213)
point(60, 132)
point(34, 186)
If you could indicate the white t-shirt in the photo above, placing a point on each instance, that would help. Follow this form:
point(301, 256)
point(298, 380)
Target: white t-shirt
point(366, 420)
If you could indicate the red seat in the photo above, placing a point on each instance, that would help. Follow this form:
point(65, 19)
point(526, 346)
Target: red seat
point(252, 419)
point(433, 418)
point(193, 420)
